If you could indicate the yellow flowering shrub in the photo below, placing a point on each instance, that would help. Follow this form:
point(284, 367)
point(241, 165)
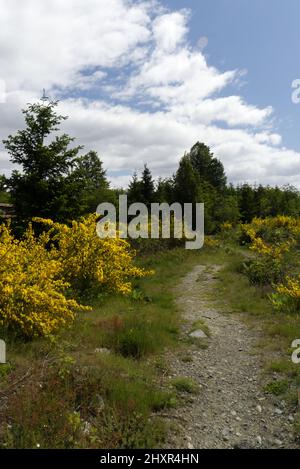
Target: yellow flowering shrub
point(211, 242)
point(36, 272)
point(287, 295)
point(275, 229)
point(32, 289)
point(226, 226)
point(272, 240)
point(267, 249)
point(228, 234)
point(89, 262)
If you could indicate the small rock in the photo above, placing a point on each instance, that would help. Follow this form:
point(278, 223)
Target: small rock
point(233, 413)
point(259, 408)
point(259, 440)
point(278, 411)
point(190, 446)
point(102, 350)
point(278, 442)
point(291, 418)
point(243, 445)
point(198, 334)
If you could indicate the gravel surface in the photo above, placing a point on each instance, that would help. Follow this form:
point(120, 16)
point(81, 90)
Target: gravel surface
point(231, 410)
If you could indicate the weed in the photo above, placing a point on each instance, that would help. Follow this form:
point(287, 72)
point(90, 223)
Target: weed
point(183, 384)
point(277, 387)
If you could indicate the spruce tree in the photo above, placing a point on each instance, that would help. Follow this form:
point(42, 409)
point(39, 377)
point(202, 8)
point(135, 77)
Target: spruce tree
point(147, 187)
point(41, 188)
point(134, 189)
point(209, 168)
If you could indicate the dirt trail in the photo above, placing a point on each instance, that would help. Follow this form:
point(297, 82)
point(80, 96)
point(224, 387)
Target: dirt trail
point(231, 409)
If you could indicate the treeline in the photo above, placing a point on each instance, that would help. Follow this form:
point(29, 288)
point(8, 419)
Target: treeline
point(56, 181)
point(200, 177)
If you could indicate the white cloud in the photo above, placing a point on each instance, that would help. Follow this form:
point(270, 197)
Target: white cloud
point(169, 30)
point(47, 43)
point(152, 97)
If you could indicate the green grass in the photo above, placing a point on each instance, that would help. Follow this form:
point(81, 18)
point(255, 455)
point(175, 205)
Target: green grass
point(183, 384)
point(62, 393)
point(66, 394)
point(278, 387)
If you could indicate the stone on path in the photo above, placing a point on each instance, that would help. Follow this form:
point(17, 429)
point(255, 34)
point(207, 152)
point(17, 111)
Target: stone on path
point(198, 334)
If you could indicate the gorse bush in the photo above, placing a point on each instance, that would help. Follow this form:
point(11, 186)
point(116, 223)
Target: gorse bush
point(287, 295)
point(32, 288)
point(274, 259)
point(39, 273)
point(89, 262)
point(272, 241)
point(272, 230)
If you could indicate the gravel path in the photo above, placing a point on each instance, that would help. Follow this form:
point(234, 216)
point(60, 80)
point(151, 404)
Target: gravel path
point(231, 409)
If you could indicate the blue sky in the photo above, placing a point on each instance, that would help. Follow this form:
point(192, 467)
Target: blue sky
point(142, 81)
point(262, 36)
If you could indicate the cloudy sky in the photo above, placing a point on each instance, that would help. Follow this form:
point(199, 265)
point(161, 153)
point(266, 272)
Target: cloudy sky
point(142, 81)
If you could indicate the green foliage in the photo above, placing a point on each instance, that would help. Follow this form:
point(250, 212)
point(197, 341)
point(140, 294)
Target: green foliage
point(41, 189)
point(267, 201)
point(142, 190)
point(263, 271)
point(76, 396)
point(134, 190)
point(147, 187)
point(4, 194)
point(88, 184)
point(209, 168)
point(165, 190)
point(54, 182)
point(183, 384)
point(277, 387)
point(186, 183)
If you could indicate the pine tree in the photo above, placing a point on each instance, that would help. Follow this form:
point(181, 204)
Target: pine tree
point(209, 168)
point(165, 190)
point(42, 188)
point(147, 187)
point(186, 183)
point(134, 193)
